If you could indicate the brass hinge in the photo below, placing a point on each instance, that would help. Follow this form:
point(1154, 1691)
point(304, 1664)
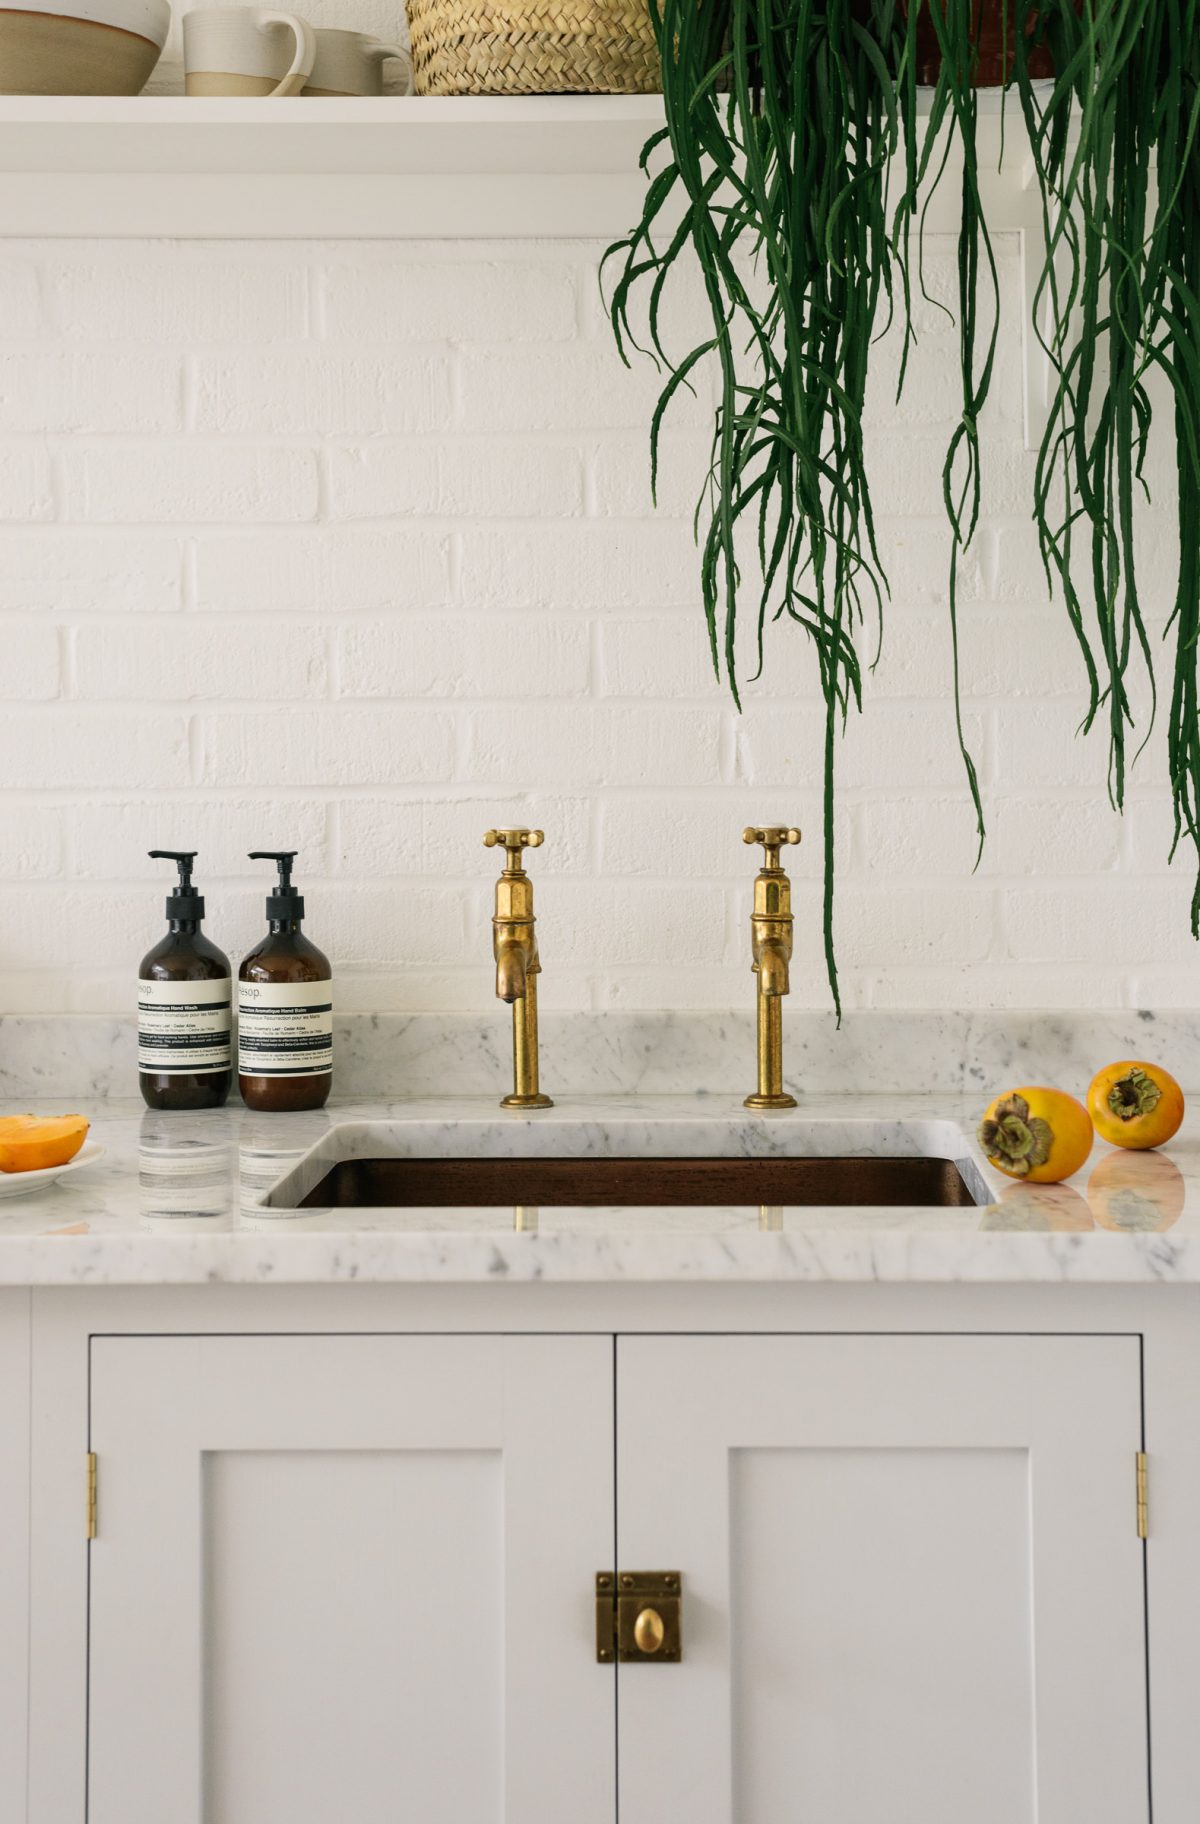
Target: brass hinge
point(91, 1494)
point(1143, 1516)
point(638, 1616)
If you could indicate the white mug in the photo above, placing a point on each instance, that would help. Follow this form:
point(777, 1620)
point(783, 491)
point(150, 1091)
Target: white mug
point(246, 50)
point(351, 63)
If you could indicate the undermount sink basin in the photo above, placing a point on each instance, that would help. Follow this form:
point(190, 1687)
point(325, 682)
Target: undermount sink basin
point(626, 1165)
point(411, 1183)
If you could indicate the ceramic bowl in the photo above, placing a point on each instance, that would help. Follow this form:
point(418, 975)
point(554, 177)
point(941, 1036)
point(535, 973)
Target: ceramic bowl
point(24, 1184)
point(81, 47)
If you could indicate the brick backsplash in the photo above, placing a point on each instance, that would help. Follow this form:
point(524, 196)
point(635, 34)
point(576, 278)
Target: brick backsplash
point(350, 548)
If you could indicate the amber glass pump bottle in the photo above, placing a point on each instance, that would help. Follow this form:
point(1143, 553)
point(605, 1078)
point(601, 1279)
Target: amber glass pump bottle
point(285, 1007)
point(184, 1005)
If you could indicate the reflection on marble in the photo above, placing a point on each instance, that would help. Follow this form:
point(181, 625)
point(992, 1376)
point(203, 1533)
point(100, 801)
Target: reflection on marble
point(268, 1151)
point(1137, 1193)
point(651, 1054)
point(1039, 1209)
point(1123, 1219)
point(183, 1167)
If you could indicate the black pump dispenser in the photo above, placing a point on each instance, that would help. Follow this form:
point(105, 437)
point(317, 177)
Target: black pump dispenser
point(285, 1006)
point(185, 902)
point(184, 1002)
point(286, 901)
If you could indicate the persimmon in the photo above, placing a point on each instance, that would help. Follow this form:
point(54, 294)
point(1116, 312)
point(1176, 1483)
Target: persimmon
point(34, 1143)
point(1135, 1104)
point(1040, 1135)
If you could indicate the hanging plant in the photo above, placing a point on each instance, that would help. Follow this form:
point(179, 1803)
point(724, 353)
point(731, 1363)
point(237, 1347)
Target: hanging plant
point(785, 123)
point(1115, 148)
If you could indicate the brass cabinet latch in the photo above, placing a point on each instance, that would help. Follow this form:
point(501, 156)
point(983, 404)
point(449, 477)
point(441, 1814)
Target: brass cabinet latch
point(91, 1494)
point(638, 1616)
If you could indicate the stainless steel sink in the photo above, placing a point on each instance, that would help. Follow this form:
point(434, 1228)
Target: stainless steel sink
point(411, 1183)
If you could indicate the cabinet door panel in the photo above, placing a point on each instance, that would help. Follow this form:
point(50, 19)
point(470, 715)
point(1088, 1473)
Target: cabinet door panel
point(913, 1585)
point(399, 1557)
point(349, 1577)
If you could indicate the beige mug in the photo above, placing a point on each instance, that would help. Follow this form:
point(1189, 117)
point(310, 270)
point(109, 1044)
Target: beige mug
point(246, 50)
point(351, 63)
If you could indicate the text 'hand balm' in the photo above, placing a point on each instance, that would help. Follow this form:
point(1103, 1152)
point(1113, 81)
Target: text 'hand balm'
point(285, 1007)
point(184, 994)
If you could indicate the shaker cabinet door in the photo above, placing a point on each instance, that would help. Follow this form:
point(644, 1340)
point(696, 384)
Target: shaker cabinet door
point(913, 1585)
point(349, 1578)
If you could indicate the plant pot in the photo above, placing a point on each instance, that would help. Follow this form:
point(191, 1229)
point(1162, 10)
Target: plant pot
point(994, 60)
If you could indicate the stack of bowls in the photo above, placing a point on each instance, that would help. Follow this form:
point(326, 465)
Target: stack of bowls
point(80, 47)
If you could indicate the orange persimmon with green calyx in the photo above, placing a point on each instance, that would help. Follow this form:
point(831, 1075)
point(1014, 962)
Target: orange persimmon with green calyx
point(1040, 1135)
point(1135, 1104)
point(33, 1143)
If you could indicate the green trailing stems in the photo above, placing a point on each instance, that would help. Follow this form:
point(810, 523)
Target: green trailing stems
point(785, 122)
point(1116, 153)
point(782, 120)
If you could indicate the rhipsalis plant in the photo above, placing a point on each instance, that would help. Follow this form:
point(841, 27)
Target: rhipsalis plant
point(1117, 154)
point(791, 174)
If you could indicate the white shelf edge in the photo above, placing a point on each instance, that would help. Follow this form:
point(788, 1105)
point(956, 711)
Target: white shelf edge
point(176, 166)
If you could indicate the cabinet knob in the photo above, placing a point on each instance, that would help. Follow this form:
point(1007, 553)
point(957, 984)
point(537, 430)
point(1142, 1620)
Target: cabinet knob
point(649, 1631)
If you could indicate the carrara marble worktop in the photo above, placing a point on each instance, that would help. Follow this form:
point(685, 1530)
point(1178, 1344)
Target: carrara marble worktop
point(180, 1199)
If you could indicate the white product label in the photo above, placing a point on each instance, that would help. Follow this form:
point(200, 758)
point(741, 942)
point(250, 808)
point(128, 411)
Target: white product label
point(184, 1027)
point(285, 1029)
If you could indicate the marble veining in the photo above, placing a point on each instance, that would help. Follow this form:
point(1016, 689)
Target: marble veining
point(952, 1053)
point(182, 1200)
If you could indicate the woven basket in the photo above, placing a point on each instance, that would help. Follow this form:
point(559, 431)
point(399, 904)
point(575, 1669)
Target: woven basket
point(533, 47)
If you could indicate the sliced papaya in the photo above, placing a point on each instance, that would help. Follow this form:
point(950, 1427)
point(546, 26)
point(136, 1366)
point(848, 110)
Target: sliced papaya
point(34, 1143)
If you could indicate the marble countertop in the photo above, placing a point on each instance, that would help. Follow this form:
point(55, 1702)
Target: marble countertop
point(190, 1199)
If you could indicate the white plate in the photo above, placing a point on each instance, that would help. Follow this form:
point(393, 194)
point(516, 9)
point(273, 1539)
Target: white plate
point(21, 1184)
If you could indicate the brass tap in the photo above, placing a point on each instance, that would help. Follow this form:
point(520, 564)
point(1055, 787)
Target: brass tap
point(771, 939)
point(517, 965)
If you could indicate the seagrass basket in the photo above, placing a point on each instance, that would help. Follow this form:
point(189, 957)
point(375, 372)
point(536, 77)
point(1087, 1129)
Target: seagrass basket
point(533, 47)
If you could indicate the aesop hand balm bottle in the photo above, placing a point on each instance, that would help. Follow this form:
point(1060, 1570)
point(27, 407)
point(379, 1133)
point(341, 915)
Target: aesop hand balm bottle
point(285, 1007)
point(184, 1010)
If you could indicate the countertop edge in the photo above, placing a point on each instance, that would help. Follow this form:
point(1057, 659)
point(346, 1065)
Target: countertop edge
point(828, 1256)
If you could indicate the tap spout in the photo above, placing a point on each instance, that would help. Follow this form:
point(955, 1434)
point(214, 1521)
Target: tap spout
point(514, 945)
point(772, 962)
point(771, 949)
point(512, 967)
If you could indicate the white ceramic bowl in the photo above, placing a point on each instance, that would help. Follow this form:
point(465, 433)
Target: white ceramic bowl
point(81, 47)
point(24, 1184)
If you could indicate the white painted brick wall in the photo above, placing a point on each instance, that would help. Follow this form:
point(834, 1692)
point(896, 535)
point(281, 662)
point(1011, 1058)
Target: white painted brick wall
point(350, 548)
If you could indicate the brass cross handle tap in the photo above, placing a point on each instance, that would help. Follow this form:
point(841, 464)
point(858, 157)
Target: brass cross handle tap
point(773, 837)
point(517, 963)
point(771, 945)
point(513, 842)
